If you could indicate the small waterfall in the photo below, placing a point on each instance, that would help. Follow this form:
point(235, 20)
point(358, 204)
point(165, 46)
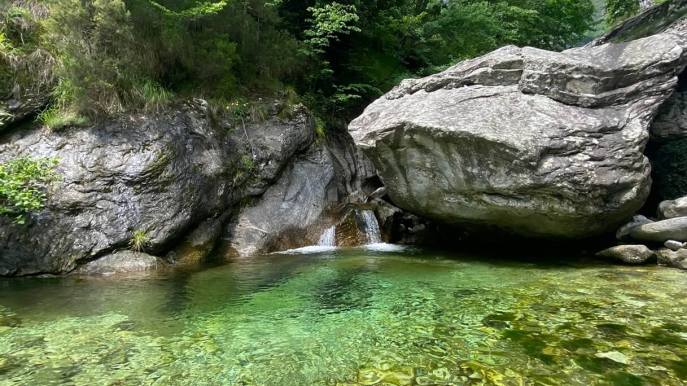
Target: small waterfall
point(374, 236)
point(328, 238)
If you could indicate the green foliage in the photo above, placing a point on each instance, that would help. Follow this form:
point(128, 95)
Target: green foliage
point(23, 185)
point(320, 129)
point(358, 52)
point(618, 10)
point(328, 23)
point(118, 55)
point(139, 241)
point(98, 59)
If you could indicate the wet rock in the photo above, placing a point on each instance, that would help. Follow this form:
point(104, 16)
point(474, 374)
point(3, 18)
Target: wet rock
point(673, 208)
point(675, 259)
point(615, 356)
point(662, 231)
point(674, 245)
point(280, 219)
point(520, 138)
point(120, 262)
point(628, 254)
point(296, 207)
point(624, 232)
point(198, 245)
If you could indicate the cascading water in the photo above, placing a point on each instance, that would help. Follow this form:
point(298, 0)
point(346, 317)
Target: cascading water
point(371, 227)
point(328, 238)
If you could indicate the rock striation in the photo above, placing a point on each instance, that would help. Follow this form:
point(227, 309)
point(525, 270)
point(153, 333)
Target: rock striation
point(537, 143)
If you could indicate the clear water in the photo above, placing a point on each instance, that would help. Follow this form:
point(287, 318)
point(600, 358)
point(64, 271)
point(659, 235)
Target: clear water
point(354, 317)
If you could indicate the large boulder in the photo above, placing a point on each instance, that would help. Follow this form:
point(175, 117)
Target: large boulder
point(534, 142)
point(147, 178)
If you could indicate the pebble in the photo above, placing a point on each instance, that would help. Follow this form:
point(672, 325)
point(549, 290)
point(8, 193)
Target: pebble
point(674, 245)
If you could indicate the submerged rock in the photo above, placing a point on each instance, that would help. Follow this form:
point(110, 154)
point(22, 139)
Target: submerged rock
point(120, 262)
point(534, 142)
point(628, 254)
point(662, 231)
point(675, 259)
point(673, 208)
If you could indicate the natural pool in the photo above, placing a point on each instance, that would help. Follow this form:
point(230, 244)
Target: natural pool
point(351, 318)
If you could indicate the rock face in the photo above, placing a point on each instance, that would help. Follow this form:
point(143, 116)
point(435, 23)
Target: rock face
point(628, 254)
point(534, 142)
point(662, 231)
point(159, 176)
point(295, 202)
point(162, 177)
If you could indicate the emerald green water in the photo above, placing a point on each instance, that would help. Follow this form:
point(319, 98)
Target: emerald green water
point(351, 318)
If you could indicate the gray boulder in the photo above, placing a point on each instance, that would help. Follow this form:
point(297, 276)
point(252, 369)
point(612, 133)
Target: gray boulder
point(534, 142)
point(675, 259)
point(628, 254)
point(673, 208)
point(624, 232)
point(120, 262)
point(662, 231)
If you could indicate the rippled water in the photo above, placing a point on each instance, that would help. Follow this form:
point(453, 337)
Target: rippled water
point(351, 318)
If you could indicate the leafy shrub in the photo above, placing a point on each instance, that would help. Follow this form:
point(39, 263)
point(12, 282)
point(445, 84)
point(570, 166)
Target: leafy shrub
point(96, 48)
point(23, 185)
point(618, 10)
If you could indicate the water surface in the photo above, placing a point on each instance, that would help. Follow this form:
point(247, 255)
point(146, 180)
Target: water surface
point(351, 318)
